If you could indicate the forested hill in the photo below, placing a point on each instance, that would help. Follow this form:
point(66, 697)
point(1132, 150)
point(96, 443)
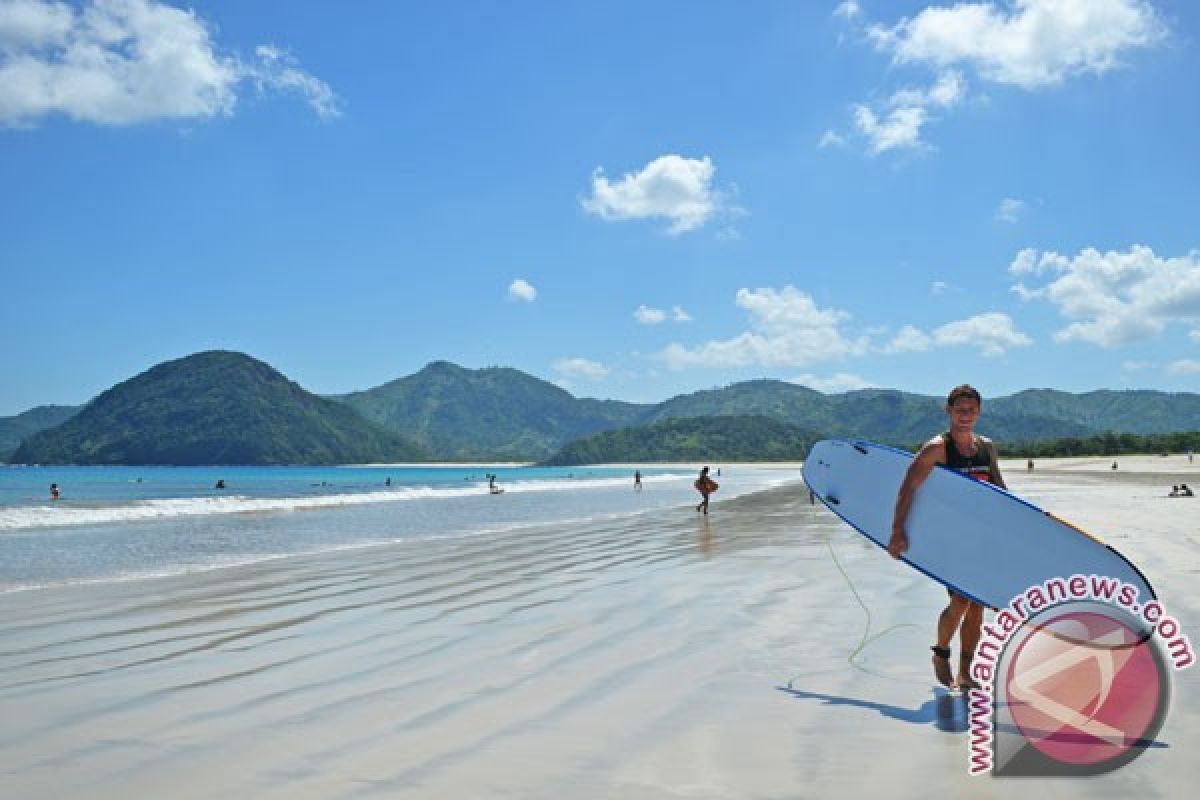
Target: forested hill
point(14, 429)
point(1125, 411)
point(496, 412)
point(214, 408)
point(503, 413)
point(729, 438)
point(882, 415)
point(228, 407)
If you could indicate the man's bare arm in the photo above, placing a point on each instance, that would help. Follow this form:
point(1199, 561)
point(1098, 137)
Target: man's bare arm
point(932, 454)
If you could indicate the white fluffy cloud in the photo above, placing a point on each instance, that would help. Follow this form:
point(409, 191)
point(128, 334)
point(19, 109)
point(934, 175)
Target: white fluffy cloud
point(649, 316)
point(654, 316)
point(787, 329)
point(1027, 43)
point(831, 384)
point(901, 128)
point(947, 91)
point(992, 332)
point(581, 368)
point(909, 339)
point(522, 290)
point(1116, 297)
point(33, 23)
point(900, 125)
point(120, 62)
point(670, 187)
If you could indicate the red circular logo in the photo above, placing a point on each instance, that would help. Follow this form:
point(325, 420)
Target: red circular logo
point(1086, 688)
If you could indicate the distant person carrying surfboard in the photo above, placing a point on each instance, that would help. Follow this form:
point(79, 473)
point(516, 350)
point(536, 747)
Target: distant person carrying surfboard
point(961, 449)
point(705, 486)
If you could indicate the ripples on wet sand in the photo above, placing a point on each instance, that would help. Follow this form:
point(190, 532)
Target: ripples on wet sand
point(635, 658)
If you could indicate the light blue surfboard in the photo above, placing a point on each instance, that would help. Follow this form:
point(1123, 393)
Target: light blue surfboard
point(978, 539)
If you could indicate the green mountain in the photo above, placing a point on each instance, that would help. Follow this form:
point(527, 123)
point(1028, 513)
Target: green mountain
point(214, 408)
point(493, 413)
point(1129, 411)
point(730, 438)
point(14, 429)
point(222, 407)
point(894, 417)
point(883, 415)
point(776, 399)
point(459, 413)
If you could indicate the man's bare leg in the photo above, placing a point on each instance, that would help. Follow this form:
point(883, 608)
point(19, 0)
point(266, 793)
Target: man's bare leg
point(968, 638)
point(950, 620)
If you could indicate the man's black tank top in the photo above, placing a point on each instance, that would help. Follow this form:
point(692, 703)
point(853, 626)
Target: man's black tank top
point(978, 466)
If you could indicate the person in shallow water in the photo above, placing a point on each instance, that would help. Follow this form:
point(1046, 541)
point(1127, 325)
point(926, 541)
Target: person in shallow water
point(959, 448)
point(705, 486)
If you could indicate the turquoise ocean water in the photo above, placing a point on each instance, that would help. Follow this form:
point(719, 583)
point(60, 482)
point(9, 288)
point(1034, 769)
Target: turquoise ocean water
point(130, 523)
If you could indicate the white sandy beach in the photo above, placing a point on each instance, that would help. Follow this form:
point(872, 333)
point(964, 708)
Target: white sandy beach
point(674, 657)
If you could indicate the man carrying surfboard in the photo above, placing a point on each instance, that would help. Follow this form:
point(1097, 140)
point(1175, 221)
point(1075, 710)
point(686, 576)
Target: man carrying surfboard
point(959, 448)
point(705, 486)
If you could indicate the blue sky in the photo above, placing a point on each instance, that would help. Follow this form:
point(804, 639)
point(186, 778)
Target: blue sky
point(631, 199)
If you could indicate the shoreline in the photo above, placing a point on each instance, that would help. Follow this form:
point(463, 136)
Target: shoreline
point(766, 650)
point(146, 539)
point(696, 465)
point(1139, 464)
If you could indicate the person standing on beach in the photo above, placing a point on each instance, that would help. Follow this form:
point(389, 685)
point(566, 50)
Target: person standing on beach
point(704, 485)
point(961, 449)
point(637, 480)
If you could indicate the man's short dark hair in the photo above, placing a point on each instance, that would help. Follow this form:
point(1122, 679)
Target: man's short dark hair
point(965, 390)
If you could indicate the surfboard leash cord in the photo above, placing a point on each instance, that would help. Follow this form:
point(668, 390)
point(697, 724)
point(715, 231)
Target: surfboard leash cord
point(866, 638)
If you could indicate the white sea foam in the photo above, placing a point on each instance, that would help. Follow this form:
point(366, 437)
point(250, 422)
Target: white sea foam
point(64, 515)
point(162, 557)
point(560, 484)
